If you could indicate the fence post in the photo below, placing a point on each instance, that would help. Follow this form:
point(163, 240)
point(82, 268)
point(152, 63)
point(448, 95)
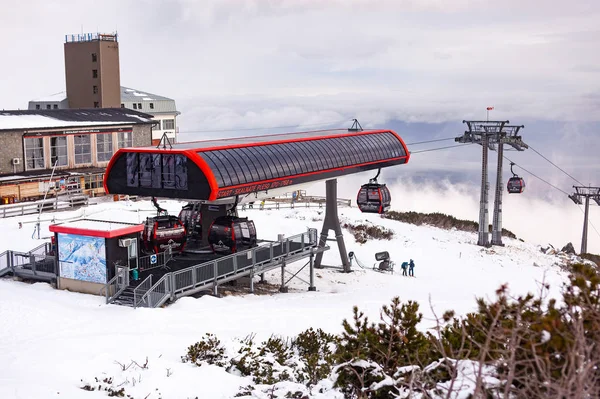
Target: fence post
point(235, 264)
point(216, 271)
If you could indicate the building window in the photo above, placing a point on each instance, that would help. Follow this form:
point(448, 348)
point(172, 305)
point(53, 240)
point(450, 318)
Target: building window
point(96, 104)
point(125, 139)
point(151, 105)
point(156, 125)
point(95, 89)
point(34, 153)
point(93, 181)
point(37, 106)
point(168, 124)
point(83, 149)
point(104, 147)
point(134, 106)
point(122, 105)
point(48, 106)
point(94, 73)
point(94, 57)
point(55, 106)
point(139, 105)
point(58, 150)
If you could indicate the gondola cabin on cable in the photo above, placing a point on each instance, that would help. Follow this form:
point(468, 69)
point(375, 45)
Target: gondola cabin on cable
point(229, 234)
point(163, 232)
point(374, 197)
point(516, 184)
point(191, 217)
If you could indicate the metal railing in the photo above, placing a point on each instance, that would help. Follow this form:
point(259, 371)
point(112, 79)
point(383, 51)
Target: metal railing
point(209, 274)
point(145, 262)
point(116, 285)
point(140, 290)
point(35, 264)
point(159, 293)
point(50, 204)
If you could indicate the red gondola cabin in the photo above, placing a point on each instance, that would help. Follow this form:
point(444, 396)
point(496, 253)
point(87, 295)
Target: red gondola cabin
point(229, 234)
point(374, 198)
point(162, 232)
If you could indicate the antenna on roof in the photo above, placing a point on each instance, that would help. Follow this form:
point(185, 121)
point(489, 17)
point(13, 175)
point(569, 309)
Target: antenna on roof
point(164, 140)
point(356, 127)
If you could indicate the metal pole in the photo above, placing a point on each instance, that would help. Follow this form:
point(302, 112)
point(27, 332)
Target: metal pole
point(44, 200)
point(497, 218)
point(283, 288)
point(483, 203)
point(585, 225)
point(312, 287)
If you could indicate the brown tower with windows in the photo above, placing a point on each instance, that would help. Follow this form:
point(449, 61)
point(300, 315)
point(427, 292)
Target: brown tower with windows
point(92, 70)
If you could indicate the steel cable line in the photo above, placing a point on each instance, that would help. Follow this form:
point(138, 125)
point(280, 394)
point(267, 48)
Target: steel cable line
point(537, 177)
point(439, 148)
point(553, 186)
point(556, 166)
point(260, 128)
point(430, 141)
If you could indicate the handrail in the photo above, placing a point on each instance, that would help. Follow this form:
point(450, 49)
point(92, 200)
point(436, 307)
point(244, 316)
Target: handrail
point(144, 285)
point(211, 272)
point(148, 296)
point(107, 285)
point(123, 273)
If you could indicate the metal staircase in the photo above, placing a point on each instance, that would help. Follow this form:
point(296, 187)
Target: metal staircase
point(37, 264)
point(209, 275)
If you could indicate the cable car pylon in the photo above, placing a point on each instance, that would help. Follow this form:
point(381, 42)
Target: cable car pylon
point(587, 193)
point(491, 135)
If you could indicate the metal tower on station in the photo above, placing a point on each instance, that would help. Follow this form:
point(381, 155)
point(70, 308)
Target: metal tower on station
point(491, 135)
point(587, 193)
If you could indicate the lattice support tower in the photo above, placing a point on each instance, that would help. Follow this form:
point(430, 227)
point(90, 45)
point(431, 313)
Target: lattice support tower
point(490, 134)
point(586, 193)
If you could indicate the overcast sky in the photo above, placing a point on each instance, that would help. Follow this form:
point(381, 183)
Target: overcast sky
point(264, 63)
point(238, 63)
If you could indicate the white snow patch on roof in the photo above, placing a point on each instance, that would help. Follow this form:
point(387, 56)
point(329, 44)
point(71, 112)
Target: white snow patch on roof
point(13, 122)
point(138, 94)
point(57, 97)
point(147, 99)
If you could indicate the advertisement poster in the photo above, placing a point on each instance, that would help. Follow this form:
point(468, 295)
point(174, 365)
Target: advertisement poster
point(82, 258)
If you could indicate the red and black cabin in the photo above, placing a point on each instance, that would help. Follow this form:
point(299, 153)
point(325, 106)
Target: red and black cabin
point(213, 169)
point(515, 185)
point(374, 198)
point(162, 232)
point(229, 234)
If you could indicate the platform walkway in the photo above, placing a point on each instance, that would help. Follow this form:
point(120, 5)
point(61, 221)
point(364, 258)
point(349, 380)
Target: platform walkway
point(154, 291)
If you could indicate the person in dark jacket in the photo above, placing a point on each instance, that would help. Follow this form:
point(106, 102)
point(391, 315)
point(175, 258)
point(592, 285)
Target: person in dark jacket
point(404, 266)
point(411, 268)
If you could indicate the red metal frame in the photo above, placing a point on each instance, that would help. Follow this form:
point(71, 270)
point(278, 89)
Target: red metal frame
point(212, 182)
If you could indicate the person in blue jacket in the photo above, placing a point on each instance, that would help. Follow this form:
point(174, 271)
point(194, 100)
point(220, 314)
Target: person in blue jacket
point(404, 266)
point(411, 268)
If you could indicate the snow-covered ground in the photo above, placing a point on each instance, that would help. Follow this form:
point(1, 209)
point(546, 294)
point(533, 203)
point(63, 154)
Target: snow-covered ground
point(50, 340)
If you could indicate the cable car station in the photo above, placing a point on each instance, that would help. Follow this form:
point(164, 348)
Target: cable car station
point(208, 244)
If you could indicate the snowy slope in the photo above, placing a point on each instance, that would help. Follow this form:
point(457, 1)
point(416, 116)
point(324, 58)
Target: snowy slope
point(51, 339)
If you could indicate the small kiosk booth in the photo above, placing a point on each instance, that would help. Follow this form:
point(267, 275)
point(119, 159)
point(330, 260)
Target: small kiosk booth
point(89, 251)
